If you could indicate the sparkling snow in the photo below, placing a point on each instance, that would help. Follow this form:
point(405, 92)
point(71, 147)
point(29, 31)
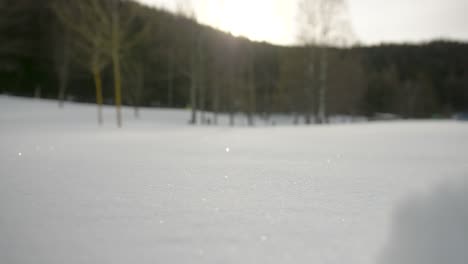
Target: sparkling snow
point(161, 191)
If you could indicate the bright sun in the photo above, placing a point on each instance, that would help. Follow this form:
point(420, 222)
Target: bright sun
point(237, 19)
point(257, 20)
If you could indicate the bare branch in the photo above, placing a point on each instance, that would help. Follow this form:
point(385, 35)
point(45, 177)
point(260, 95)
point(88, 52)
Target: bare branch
point(324, 22)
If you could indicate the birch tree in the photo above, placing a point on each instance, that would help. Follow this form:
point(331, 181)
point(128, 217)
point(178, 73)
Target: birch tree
point(251, 88)
point(124, 36)
point(105, 36)
point(196, 58)
point(323, 23)
point(193, 78)
point(87, 21)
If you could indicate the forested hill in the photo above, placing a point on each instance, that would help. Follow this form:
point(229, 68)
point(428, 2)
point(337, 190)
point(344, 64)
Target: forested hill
point(437, 72)
point(169, 60)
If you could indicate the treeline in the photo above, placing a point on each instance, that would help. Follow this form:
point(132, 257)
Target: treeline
point(168, 60)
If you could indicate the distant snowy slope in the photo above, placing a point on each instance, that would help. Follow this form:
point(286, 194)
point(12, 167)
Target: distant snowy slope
point(161, 191)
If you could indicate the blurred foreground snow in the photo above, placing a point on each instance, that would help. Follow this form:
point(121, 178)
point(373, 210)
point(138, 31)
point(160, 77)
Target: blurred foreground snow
point(160, 191)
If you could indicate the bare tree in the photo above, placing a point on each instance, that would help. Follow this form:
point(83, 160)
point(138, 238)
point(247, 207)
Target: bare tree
point(197, 71)
point(215, 94)
point(323, 23)
point(201, 80)
point(115, 55)
point(189, 69)
point(193, 92)
point(251, 88)
point(197, 95)
point(170, 78)
point(103, 34)
point(184, 8)
point(232, 78)
point(122, 39)
point(91, 33)
point(134, 74)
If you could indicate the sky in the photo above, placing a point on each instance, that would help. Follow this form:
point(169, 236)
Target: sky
point(373, 21)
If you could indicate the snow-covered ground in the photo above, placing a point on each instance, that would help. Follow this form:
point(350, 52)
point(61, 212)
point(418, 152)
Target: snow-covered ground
point(160, 191)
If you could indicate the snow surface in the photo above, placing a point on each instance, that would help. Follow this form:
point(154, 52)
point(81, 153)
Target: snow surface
point(161, 191)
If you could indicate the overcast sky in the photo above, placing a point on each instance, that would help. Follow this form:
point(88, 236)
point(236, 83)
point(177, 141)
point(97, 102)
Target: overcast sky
point(374, 21)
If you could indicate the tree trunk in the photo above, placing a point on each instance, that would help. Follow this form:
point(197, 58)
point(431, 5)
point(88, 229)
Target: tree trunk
point(296, 118)
point(201, 80)
point(136, 112)
point(140, 82)
point(251, 106)
point(215, 100)
point(63, 86)
point(170, 80)
point(116, 63)
point(118, 89)
point(201, 90)
point(322, 96)
point(99, 98)
point(250, 119)
point(268, 98)
point(38, 91)
point(193, 103)
point(231, 118)
point(308, 103)
point(252, 95)
point(194, 76)
point(63, 74)
point(193, 92)
point(307, 117)
point(202, 100)
point(231, 101)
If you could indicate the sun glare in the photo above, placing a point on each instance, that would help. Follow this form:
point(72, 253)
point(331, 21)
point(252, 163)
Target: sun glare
point(239, 20)
point(260, 20)
point(252, 19)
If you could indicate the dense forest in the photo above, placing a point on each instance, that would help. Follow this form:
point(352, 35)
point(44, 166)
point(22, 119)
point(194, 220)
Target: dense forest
point(169, 60)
